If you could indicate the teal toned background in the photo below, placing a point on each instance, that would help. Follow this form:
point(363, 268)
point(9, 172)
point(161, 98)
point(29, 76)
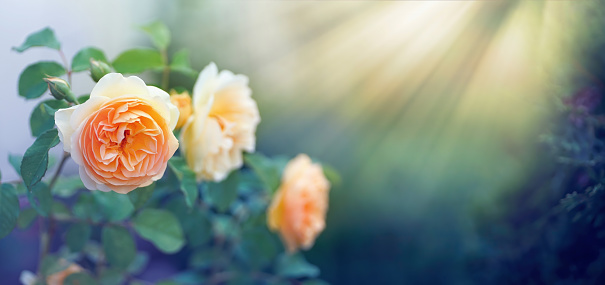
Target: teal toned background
point(431, 111)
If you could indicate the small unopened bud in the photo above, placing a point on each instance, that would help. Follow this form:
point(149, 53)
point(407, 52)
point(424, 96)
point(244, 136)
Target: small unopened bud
point(60, 89)
point(98, 69)
point(183, 102)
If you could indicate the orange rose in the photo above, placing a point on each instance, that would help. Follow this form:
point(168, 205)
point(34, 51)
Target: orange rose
point(122, 136)
point(298, 210)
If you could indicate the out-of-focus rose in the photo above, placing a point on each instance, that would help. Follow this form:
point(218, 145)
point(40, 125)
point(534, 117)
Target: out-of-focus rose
point(29, 278)
point(183, 102)
point(59, 277)
point(298, 210)
point(122, 136)
point(223, 124)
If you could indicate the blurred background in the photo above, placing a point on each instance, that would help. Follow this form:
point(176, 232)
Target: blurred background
point(433, 112)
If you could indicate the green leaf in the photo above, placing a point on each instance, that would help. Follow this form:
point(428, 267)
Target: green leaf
point(81, 60)
point(83, 98)
point(159, 34)
point(139, 196)
point(267, 171)
point(186, 179)
point(257, 248)
point(332, 175)
point(315, 282)
point(204, 257)
point(221, 195)
point(52, 264)
point(9, 209)
point(180, 63)
point(139, 263)
point(195, 222)
point(43, 117)
point(161, 228)
point(26, 218)
point(59, 210)
point(79, 278)
point(114, 206)
point(35, 160)
point(43, 38)
point(67, 186)
point(40, 199)
point(110, 276)
point(295, 266)
point(86, 208)
point(118, 245)
point(15, 161)
point(138, 60)
point(77, 235)
point(31, 80)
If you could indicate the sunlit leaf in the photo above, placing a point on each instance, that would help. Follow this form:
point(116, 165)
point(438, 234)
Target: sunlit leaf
point(43, 38)
point(159, 34)
point(81, 60)
point(138, 60)
point(31, 80)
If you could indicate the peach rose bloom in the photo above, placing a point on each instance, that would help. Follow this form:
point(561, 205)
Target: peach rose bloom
point(59, 277)
point(298, 210)
point(223, 124)
point(121, 138)
point(183, 102)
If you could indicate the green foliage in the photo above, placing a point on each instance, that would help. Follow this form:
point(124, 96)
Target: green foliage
point(9, 209)
point(180, 63)
point(15, 161)
point(43, 117)
point(77, 235)
point(35, 159)
point(43, 38)
point(114, 207)
point(80, 278)
point(161, 228)
point(295, 266)
point(81, 60)
point(31, 80)
point(186, 178)
point(118, 245)
point(138, 60)
point(26, 218)
point(141, 195)
point(40, 198)
point(221, 195)
point(268, 171)
point(159, 34)
point(66, 187)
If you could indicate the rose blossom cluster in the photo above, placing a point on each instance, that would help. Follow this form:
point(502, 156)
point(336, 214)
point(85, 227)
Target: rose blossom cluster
point(122, 138)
